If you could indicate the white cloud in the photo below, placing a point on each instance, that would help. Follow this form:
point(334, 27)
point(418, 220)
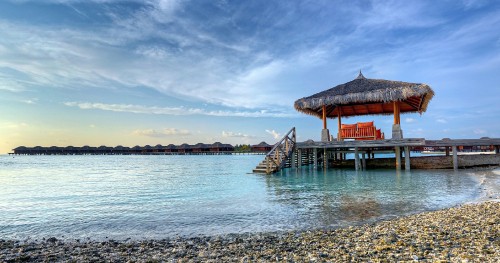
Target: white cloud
point(442, 121)
point(479, 131)
point(473, 4)
point(275, 134)
point(227, 134)
point(161, 133)
point(409, 120)
point(15, 125)
point(30, 101)
point(175, 110)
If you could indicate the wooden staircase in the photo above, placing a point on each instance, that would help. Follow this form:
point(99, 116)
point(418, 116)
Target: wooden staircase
point(279, 155)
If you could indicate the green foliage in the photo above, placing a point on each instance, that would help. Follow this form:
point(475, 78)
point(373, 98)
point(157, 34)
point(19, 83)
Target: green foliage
point(242, 148)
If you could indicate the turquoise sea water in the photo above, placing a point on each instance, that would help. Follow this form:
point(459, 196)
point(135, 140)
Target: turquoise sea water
point(140, 197)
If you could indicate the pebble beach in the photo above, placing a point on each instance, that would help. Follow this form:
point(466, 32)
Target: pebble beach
point(467, 233)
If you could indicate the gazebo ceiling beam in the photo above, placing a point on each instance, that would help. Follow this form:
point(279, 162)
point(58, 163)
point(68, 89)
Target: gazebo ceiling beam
point(330, 109)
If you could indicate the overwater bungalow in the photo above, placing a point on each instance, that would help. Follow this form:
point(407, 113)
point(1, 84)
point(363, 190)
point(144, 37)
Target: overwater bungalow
point(184, 148)
point(171, 148)
point(261, 147)
point(158, 148)
point(136, 149)
point(220, 147)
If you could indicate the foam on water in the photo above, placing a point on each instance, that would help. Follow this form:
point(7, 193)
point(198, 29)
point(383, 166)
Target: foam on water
point(164, 196)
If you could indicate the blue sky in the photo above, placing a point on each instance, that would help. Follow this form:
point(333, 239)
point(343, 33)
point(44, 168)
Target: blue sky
point(104, 72)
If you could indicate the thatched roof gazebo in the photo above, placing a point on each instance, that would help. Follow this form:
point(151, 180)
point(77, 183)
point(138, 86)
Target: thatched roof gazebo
point(363, 96)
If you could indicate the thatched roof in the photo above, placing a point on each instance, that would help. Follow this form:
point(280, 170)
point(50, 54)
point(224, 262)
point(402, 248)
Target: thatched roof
point(262, 144)
point(363, 96)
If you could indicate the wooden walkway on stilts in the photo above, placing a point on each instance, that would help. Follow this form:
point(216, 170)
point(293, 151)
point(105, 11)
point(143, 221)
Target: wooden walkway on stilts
point(288, 153)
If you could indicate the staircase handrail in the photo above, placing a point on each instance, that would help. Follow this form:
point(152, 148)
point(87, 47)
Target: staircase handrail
point(269, 155)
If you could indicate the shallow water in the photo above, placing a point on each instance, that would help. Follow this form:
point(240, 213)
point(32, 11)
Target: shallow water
point(139, 197)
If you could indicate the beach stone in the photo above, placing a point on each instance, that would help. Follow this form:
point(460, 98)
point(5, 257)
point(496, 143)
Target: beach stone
point(468, 233)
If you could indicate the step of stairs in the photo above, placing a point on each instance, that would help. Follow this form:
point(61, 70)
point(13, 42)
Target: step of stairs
point(280, 154)
point(262, 168)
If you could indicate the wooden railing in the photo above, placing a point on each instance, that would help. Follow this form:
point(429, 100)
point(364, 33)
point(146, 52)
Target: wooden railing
point(282, 150)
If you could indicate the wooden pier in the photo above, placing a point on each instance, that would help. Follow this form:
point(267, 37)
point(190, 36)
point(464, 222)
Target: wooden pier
point(324, 153)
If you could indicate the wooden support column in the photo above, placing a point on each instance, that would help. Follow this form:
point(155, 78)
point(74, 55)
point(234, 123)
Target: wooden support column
point(363, 161)
point(324, 117)
point(293, 158)
point(397, 119)
point(497, 149)
point(407, 158)
point(300, 158)
point(356, 158)
point(447, 150)
point(315, 157)
point(455, 157)
point(339, 114)
point(397, 151)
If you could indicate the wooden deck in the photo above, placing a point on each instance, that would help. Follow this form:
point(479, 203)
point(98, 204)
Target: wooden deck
point(320, 153)
point(362, 144)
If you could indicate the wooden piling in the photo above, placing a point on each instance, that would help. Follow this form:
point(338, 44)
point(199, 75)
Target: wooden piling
point(397, 152)
point(407, 158)
point(299, 157)
point(315, 157)
point(455, 157)
point(356, 158)
point(325, 158)
point(363, 161)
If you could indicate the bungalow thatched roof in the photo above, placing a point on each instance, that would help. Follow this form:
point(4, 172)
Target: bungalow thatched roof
point(262, 144)
point(363, 96)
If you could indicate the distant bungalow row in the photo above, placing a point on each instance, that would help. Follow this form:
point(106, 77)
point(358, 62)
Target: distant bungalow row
point(184, 149)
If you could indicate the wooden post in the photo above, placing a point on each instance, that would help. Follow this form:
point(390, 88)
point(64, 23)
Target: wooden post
point(447, 150)
point(363, 161)
point(293, 159)
point(497, 149)
point(324, 117)
point(339, 135)
point(397, 119)
point(407, 158)
point(455, 157)
point(325, 158)
point(356, 158)
point(300, 158)
point(315, 157)
point(397, 151)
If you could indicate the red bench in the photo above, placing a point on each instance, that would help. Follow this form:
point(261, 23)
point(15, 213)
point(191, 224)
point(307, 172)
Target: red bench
point(360, 131)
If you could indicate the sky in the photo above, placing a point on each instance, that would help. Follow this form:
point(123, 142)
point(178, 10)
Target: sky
point(109, 72)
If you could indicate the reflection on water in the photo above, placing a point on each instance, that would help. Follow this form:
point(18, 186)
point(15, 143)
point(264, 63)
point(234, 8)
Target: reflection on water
point(337, 197)
point(164, 196)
